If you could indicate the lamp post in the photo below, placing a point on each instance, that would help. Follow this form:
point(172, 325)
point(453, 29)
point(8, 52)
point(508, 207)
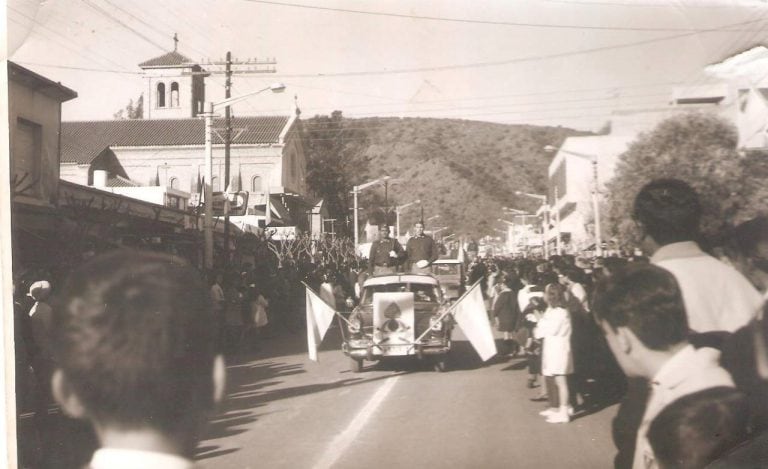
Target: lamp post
point(546, 209)
point(355, 191)
point(398, 209)
point(595, 193)
point(208, 190)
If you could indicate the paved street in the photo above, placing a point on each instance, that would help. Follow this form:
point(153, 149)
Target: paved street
point(284, 411)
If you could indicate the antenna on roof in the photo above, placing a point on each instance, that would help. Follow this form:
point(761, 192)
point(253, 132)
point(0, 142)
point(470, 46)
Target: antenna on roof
point(175, 42)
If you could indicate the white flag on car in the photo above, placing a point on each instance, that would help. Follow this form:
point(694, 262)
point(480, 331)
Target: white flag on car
point(472, 317)
point(319, 318)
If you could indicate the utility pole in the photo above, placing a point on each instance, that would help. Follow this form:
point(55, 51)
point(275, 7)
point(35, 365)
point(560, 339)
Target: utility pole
point(253, 66)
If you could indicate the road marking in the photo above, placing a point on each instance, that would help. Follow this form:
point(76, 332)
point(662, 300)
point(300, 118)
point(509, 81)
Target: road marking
point(343, 440)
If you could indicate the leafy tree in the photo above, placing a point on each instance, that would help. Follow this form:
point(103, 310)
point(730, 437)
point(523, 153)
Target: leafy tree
point(131, 111)
point(333, 166)
point(697, 148)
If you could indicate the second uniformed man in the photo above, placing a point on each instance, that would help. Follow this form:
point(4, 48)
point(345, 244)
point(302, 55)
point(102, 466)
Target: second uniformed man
point(421, 250)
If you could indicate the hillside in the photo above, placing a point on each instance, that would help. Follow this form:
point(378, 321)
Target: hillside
point(464, 171)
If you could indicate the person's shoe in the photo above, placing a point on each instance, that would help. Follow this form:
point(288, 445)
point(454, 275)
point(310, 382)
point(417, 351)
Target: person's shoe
point(531, 383)
point(570, 411)
point(548, 412)
point(559, 416)
point(539, 398)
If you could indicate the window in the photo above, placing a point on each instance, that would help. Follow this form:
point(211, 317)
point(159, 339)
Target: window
point(215, 184)
point(173, 183)
point(27, 155)
point(256, 184)
point(174, 94)
point(160, 95)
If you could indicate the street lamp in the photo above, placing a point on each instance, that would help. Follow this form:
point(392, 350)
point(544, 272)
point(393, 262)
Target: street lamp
point(545, 207)
point(398, 209)
point(208, 190)
point(595, 192)
point(433, 217)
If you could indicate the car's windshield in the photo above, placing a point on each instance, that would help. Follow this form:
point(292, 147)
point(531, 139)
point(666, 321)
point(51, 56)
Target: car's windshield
point(422, 292)
point(446, 269)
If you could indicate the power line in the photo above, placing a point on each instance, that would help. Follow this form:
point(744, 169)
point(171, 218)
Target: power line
point(86, 69)
point(473, 21)
point(76, 48)
point(533, 58)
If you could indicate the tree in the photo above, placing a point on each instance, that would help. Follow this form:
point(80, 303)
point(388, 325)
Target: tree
point(131, 111)
point(333, 165)
point(694, 147)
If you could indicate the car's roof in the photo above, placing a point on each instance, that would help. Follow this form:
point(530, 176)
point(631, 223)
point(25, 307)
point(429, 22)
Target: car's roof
point(448, 261)
point(401, 278)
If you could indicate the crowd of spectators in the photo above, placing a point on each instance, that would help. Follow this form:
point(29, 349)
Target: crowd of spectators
point(679, 338)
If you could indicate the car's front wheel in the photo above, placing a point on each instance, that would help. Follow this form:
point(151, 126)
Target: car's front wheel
point(355, 364)
point(440, 363)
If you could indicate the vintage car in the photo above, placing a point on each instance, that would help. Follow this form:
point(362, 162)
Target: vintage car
point(450, 274)
point(399, 315)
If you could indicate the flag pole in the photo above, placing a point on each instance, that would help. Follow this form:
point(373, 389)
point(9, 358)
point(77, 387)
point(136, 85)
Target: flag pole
point(338, 314)
point(447, 311)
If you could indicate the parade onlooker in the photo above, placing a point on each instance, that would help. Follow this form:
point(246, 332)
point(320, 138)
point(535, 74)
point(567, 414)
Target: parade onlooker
point(554, 328)
point(717, 297)
point(641, 312)
point(386, 253)
point(699, 428)
point(531, 314)
point(506, 312)
point(747, 248)
point(137, 357)
point(421, 250)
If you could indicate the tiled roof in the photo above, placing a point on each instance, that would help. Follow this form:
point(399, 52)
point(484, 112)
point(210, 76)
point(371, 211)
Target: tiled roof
point(81, 142)
point(171, 59)
point(119, 181)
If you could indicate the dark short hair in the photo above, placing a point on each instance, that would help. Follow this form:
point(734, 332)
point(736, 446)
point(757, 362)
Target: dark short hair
point(135, 336)
point(647, 300)
point(669, 210)
point(746, 239)
point(697, 429)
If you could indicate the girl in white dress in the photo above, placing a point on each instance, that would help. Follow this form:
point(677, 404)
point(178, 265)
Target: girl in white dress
point(557, 360)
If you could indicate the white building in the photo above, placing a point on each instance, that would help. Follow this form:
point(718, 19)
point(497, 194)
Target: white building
point(571, 183)
point(167, 147)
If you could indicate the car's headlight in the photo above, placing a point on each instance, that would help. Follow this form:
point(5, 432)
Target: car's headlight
point(355, 325)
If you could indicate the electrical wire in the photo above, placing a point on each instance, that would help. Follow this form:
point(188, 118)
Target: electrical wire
point(474, 21)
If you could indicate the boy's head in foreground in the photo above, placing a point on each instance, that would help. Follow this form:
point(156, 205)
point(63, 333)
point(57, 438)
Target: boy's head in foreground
point(135, 342)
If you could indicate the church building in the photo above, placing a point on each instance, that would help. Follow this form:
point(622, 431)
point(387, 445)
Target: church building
point(167, 147)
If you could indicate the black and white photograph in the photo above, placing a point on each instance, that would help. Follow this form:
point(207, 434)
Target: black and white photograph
point(357, 234)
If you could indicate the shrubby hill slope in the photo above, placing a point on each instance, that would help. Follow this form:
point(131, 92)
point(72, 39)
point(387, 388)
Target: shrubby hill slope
point(465, 171)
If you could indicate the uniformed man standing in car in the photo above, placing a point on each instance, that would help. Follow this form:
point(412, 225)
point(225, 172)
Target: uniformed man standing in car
point(421, 250)
point(386, 253)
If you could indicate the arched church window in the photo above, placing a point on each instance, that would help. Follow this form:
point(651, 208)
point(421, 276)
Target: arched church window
point(215, 184)
point(174, 94)
point(256, 184)
point(173, 183)
point(160, 95)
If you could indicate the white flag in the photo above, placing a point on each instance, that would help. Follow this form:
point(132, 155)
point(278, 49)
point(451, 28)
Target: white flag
point(471, 316)
point(319, 318)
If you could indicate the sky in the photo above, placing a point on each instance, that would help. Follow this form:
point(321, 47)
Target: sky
point(539, 62)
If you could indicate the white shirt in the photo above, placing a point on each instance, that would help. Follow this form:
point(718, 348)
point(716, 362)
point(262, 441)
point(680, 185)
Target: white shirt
point(716, 296)
point(690, 370)
point(116, 458)
point(525, 294)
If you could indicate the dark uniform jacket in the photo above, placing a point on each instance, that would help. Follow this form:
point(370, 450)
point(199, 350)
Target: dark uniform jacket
point(379, 255)
point(421, 248)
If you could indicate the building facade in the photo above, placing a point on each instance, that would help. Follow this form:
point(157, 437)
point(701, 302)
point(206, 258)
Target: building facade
point(167, 147)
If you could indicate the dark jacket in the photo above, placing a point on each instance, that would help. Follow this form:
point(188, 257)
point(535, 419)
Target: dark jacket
point(421, 248)
point(379, 254)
